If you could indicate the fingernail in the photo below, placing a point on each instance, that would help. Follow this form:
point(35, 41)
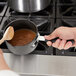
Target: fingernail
point(46, 36)
point(65, 48)
point(49, 43)
point(60, 48)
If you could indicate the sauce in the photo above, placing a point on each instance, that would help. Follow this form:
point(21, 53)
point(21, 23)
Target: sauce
point(22, 37)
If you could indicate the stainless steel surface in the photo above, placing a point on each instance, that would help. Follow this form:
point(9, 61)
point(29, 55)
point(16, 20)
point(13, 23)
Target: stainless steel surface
point(45, 65)
point(28, 5)
point(41, 38)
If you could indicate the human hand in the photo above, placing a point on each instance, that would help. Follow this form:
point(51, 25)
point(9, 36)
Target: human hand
point(64, 33)
point(3, 64)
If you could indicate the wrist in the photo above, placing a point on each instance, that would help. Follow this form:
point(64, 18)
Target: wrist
point(3, 64)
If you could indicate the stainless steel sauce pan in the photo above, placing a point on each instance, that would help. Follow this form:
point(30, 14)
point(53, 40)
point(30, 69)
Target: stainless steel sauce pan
point(28, 6)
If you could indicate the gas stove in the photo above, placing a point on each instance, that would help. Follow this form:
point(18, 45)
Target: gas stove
point(46, 16)
point(58, 13)
point(44, 60)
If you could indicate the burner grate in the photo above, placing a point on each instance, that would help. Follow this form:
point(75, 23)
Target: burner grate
point(44, 29)
point(65, 8)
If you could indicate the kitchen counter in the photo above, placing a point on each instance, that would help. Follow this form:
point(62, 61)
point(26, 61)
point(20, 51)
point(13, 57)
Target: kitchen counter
point(42, 65)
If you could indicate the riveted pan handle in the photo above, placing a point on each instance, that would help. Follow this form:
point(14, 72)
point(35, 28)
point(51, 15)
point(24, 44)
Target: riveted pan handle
point(41, 38)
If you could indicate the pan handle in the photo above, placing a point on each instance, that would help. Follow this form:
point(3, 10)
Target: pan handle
point(41, 38)
point(53, 40)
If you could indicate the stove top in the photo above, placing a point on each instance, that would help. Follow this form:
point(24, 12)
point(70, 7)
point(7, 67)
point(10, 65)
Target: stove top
point(66, 8)
point(58, 13)
point(45, 12)
point(3, 7)
point(44, 29)
point(0, 19)
point(49, 11)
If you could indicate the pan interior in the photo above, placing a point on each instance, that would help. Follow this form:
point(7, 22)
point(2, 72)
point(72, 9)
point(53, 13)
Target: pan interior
point(25, 32)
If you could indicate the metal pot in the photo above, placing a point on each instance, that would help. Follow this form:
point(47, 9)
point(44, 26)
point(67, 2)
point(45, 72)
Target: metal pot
point(22, 23)
point(28, 6)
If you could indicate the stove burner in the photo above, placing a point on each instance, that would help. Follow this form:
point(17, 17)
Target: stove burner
point(66, 8)
point(41, 13)
point(41, 22)
point(3, 8)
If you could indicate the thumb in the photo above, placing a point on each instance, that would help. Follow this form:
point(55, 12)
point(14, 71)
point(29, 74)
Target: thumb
point(51, 36)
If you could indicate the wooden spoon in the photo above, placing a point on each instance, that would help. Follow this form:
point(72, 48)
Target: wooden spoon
point(8, 35)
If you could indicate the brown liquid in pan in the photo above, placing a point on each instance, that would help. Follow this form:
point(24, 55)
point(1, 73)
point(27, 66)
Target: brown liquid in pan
point(22, 37)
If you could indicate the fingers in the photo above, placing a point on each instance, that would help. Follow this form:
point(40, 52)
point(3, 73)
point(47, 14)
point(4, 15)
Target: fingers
point(56, 44)
point(49, 43)
point(62, 33)
point(68, 45)
point(60, 44)
point(51, 36)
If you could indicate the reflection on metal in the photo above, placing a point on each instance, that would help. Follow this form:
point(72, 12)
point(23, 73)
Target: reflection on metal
point(20, 4)
point(42, 65)
point(28, 6)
